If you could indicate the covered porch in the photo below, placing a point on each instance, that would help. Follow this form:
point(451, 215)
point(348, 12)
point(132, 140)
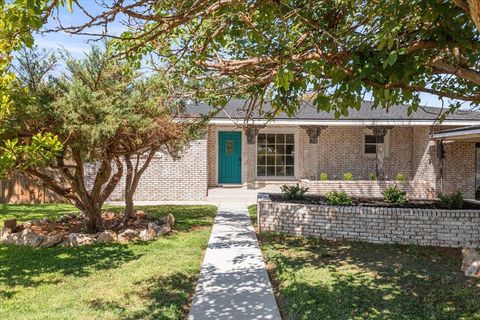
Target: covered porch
point(375, 153)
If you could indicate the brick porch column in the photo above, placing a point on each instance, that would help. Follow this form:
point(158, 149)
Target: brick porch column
point(380, 132)
point(313, 133)
point(251, 132)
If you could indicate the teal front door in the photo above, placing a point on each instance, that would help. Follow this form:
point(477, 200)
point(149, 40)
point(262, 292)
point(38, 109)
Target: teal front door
point(229, 157)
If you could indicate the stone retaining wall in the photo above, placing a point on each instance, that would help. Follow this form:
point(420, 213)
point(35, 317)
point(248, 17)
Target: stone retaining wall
point(447, 228)
point(370, 189)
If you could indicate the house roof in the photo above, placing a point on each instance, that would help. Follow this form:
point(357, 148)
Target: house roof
point(397, 114)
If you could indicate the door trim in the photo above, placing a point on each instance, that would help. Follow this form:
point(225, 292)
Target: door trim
point(217, 166)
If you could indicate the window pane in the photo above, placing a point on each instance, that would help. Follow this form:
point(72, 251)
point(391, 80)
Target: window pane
point(275, 155)
point(289, 171)
point(289, 160)
point(270, 160)
point(289, 150)
point(280, 149)
point(280, 171)
point(261, 138)
point(261, 149)
point(370, 148)
point(280, 160)
point(261, 171)
point(261, 160)
point(370, 139)
point(271, 171)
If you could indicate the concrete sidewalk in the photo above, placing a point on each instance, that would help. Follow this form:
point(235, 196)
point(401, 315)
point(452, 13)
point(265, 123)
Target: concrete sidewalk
point(233, 282)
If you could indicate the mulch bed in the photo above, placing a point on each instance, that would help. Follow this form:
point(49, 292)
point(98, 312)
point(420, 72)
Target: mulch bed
point(369, 202)
point(75, 223)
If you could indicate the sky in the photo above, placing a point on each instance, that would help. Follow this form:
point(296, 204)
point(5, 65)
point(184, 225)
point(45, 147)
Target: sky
point(77, 45)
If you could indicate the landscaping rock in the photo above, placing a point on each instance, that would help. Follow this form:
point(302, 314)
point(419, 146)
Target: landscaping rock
point(128, 235)
point(470, 255)
point(4, 234)
point(12, 238)
point(473, 270)
point(52, 240)
point(107, 236)
point(171, 221)
point(140, 215)
point(29, 238)
point(153, 228)
point(10, 224)
point(78, 239)
point(147, 235)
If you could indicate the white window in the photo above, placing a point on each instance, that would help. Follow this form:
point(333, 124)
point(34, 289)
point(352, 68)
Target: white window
point(370, 143)
point(275, 155)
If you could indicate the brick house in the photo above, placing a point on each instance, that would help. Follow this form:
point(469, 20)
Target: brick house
point(368, 142)
point(296, 150)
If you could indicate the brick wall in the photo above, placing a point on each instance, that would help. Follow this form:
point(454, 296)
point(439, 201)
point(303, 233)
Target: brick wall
point(169, 179)
point(458, 228)
point(340, 150)
point(367, 188)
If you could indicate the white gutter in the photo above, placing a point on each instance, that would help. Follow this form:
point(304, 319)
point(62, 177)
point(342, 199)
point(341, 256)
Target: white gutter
point(288, 122)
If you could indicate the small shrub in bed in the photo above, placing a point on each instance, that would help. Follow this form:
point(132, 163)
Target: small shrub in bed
point(323, 176)
point(394, 195)
point(400, 177)
point(338, 198)
point(293, 192)
point(373, 177)
point(348, 176)
point(451, 201)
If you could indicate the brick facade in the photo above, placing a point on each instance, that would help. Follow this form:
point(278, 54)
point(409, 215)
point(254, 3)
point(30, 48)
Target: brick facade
point(340, 149)
point(169, 179)
point(457, 228)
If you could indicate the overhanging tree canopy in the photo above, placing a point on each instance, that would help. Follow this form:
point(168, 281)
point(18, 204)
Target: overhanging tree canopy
point(339, 50)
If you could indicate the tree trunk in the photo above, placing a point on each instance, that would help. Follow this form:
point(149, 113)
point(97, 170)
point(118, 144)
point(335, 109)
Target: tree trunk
point(91, 220)
point(127, 214)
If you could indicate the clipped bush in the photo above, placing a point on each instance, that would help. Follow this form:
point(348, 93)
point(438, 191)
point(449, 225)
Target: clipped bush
point(338, 198)
point(394, 195)
point(373, 177)
point(323, 176)
point(293, 192)
point(400, 177)
point(348, 176)
point(451, 201)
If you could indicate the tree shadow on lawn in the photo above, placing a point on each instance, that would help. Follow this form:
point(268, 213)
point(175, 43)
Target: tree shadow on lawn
point(318, 279)
point(29, 267)
point(165, 297)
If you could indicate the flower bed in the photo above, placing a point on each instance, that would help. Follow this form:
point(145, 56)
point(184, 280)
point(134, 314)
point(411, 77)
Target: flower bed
point(370, 189)
point(377, 224)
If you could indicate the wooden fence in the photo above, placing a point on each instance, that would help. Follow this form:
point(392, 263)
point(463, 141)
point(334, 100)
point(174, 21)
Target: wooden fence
point(21, 189)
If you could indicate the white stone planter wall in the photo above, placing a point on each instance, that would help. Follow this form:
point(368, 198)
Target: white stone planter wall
point(448, 228)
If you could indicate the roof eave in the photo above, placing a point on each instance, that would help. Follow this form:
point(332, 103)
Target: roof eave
point(296, 122)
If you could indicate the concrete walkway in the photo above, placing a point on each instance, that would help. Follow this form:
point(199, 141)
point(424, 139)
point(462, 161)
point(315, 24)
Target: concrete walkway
point(233, 282)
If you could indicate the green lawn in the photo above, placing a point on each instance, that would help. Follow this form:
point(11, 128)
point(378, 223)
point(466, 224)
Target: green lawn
point(150, 280)
point(252, 211)
point(317, 279)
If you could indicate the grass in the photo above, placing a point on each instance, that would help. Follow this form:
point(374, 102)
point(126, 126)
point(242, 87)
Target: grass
point(316, 279)
point(252, 211)
point(149, 280)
